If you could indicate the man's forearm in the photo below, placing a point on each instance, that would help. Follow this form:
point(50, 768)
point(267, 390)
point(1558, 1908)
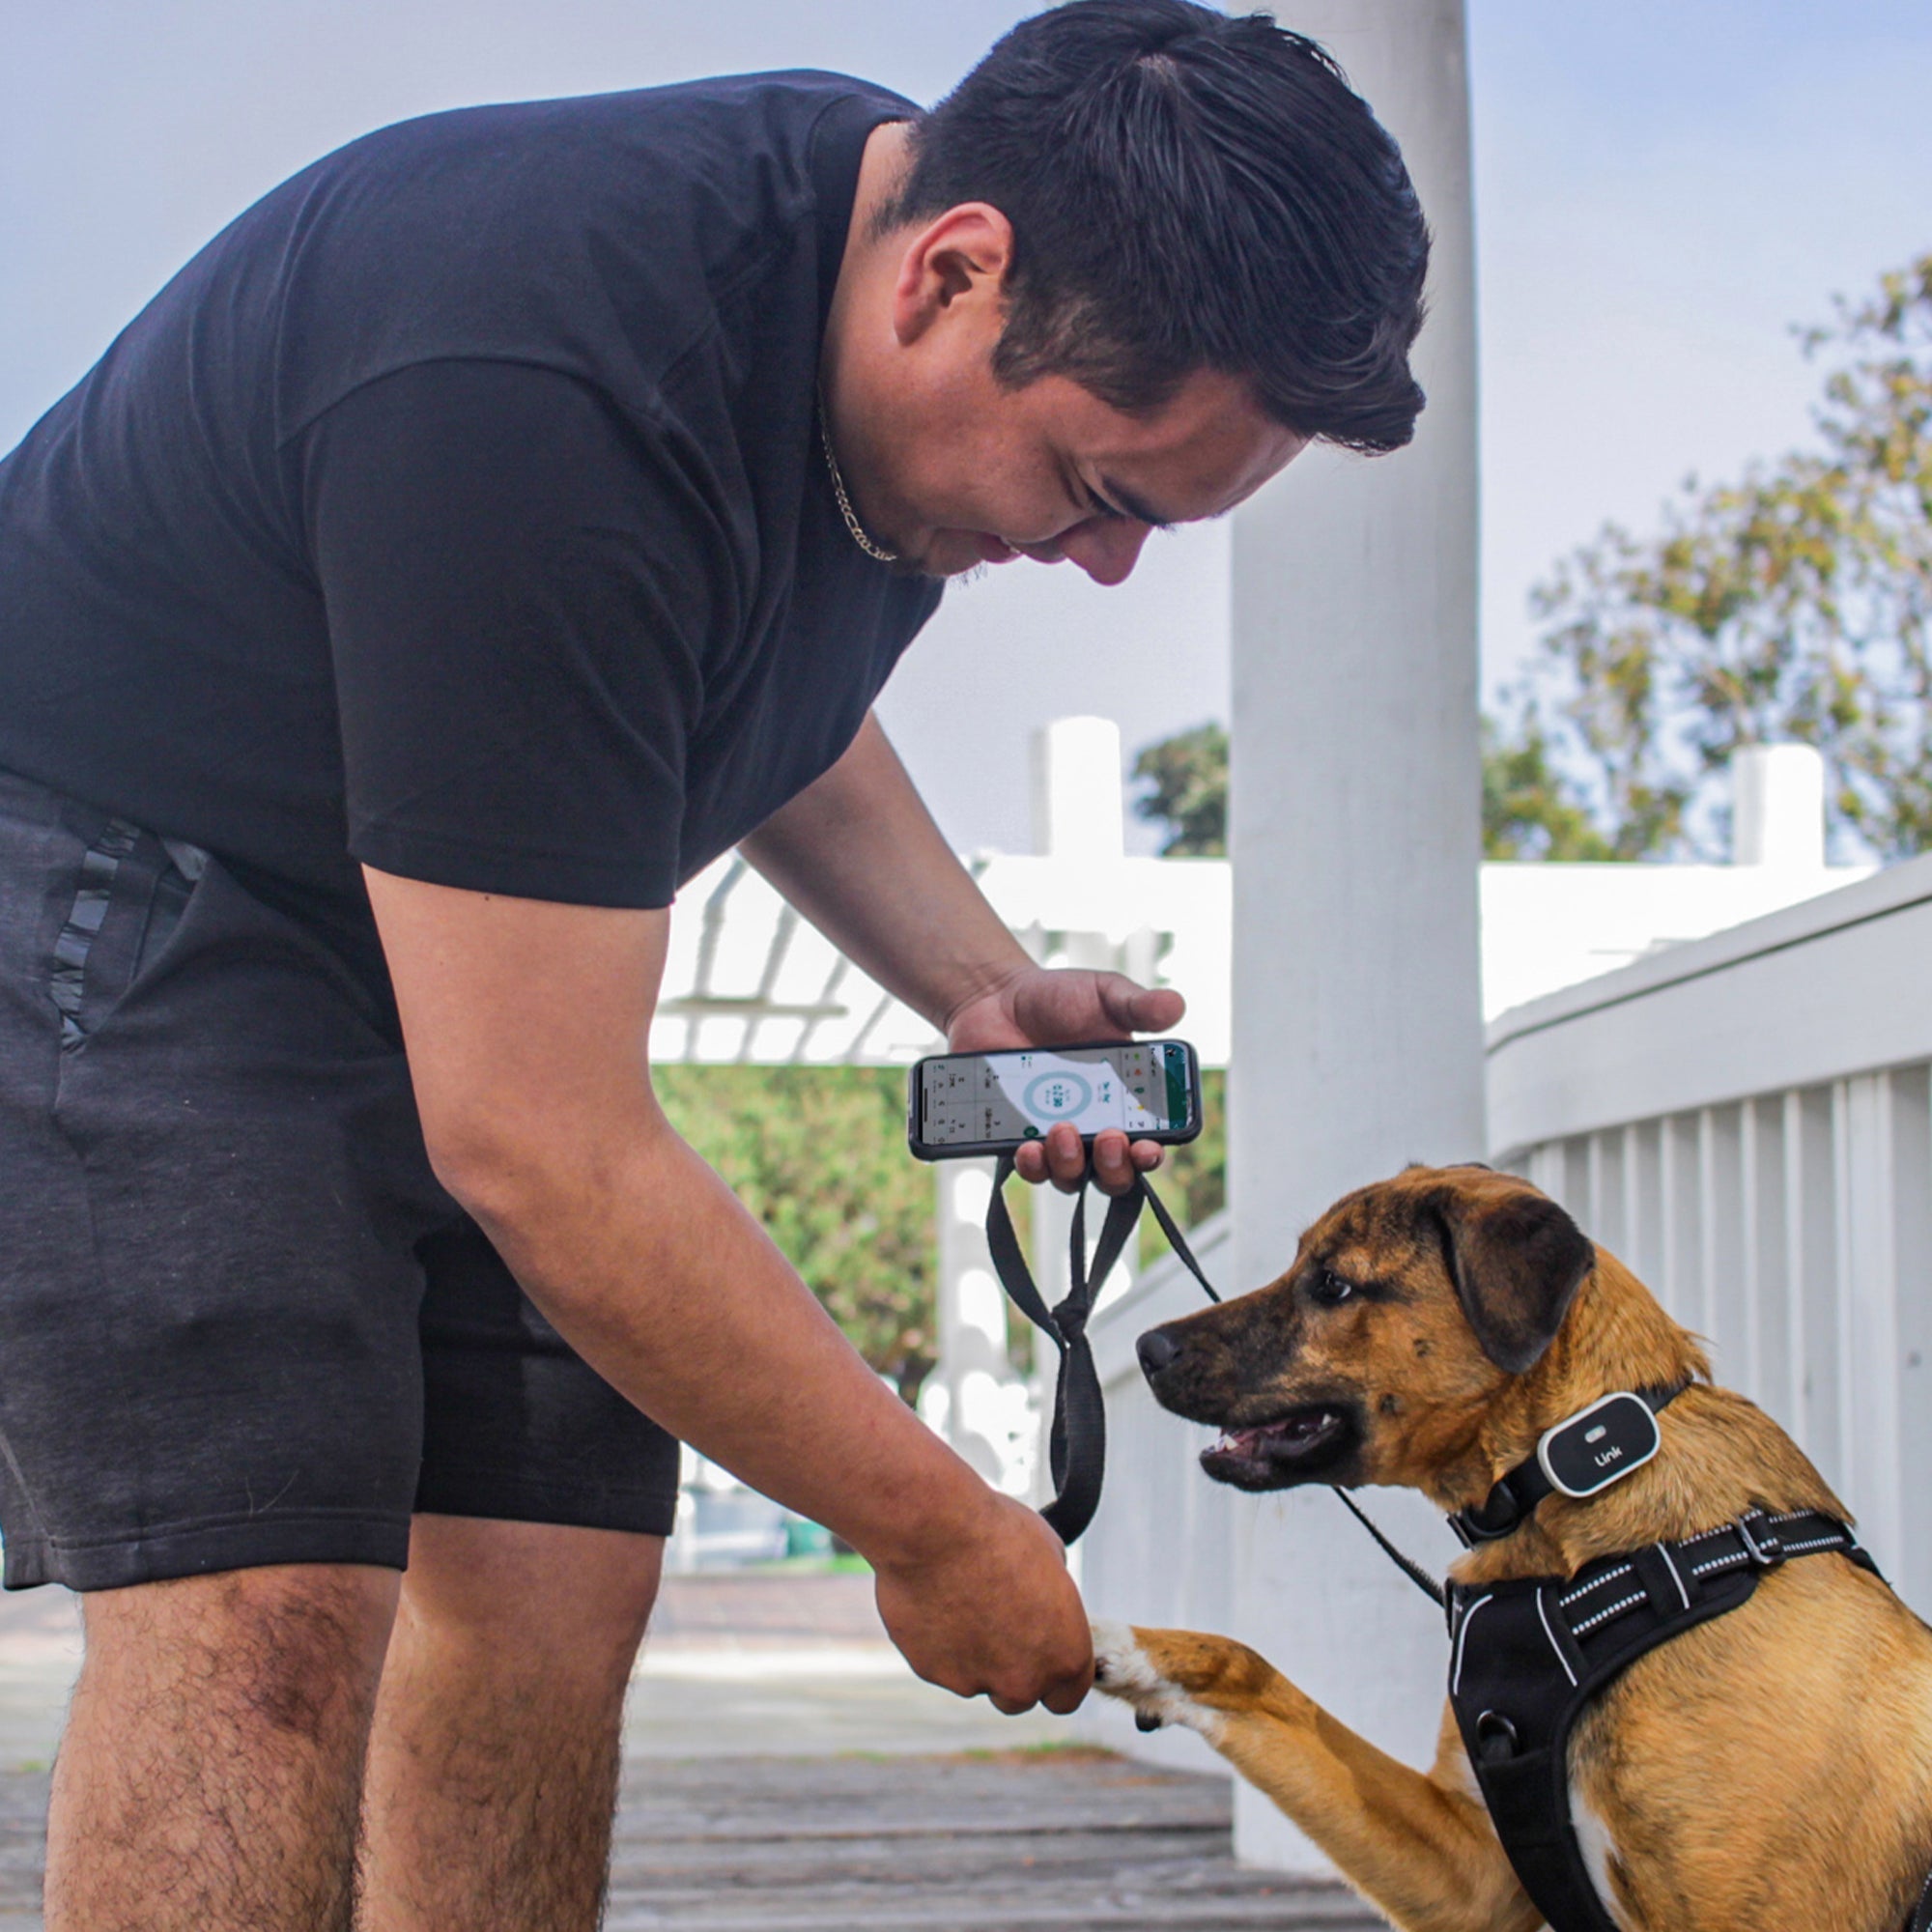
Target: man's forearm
point(651, 1268)
point(859, 854)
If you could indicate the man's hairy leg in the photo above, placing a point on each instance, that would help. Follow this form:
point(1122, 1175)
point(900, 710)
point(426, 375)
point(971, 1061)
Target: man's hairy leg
point(494, 1762)
point(208, 1779)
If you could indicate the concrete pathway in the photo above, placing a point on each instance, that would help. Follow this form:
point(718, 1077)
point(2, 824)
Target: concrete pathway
point(771, 1663)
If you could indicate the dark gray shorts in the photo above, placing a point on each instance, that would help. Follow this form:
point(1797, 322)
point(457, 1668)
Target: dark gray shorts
point(240, 1321)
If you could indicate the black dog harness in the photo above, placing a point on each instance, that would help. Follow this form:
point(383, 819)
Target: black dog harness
point(1528, 1655)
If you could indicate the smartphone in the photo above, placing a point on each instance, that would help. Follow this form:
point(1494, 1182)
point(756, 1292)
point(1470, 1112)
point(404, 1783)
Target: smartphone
point(981, 1103)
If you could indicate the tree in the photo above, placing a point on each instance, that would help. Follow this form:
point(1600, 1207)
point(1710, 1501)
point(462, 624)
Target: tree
point(1188, 775)
point(1794, 604)
point(818, 1154)
point(1530, 809)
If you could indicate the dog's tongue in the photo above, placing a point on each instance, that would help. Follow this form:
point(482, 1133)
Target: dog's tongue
point(1242, 1442)
point(1292, 1436)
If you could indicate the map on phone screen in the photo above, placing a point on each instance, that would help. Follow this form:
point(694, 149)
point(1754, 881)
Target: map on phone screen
point(971, 1098)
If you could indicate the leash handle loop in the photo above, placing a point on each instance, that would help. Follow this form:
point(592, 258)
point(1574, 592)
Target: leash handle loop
point(1015, 1277)
point(1077, 1439)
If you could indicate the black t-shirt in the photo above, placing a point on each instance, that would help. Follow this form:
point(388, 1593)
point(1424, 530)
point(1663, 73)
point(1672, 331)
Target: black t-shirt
point(459, 509)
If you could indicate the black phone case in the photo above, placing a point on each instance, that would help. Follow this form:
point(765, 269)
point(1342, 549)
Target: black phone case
point(979, 1149)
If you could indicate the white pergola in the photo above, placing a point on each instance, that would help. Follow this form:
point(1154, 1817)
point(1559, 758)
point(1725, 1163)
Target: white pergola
point(747, 981)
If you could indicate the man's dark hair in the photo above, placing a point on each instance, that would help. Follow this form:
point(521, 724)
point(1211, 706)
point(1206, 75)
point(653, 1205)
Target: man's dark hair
point(1188, 189)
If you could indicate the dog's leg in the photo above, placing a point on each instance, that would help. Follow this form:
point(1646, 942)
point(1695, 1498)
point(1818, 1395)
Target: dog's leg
point(1422, 1850)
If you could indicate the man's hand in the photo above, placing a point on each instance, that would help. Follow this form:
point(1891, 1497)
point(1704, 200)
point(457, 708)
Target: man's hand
point(1038, 1006)
point(1034, 1648)
point(859, 855)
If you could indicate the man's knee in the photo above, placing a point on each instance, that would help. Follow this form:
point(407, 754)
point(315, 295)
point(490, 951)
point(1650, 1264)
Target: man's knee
point(211, 1769)
point(557, 1601)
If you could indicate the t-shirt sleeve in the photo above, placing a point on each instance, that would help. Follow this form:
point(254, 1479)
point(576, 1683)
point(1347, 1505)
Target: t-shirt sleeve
point(518, 587)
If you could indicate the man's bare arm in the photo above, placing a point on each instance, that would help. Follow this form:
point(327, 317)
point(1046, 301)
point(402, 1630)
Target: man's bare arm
point(858, 853)
point(527, 1026)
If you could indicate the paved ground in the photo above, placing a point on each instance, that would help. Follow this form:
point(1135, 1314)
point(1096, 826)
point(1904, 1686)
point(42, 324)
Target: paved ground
point(787, 1773)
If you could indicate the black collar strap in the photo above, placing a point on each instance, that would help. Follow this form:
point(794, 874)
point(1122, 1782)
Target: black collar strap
point(1613, 1433)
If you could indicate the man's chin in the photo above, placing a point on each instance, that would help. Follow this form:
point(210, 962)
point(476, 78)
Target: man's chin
point(960, 553)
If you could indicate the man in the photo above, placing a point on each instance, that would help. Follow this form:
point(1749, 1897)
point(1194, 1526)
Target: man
point(500, 519)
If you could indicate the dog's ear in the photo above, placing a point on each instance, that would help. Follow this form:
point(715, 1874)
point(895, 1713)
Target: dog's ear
point(1517, 1260)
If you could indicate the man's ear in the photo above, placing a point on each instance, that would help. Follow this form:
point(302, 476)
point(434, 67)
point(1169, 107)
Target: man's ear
point(1517, 1260)
point(965, 252)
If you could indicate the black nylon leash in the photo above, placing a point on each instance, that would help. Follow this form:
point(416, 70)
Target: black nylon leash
point(1407, 1565)
point(1077, 1443)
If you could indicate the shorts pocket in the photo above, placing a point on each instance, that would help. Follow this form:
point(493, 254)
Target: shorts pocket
point(129, 896)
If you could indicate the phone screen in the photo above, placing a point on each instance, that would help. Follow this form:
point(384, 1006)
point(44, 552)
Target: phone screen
point(970, 1100)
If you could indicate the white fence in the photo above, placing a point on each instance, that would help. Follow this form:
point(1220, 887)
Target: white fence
point(1744, 1121)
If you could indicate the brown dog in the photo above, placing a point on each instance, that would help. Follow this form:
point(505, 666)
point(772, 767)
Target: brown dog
point(1770, 1770)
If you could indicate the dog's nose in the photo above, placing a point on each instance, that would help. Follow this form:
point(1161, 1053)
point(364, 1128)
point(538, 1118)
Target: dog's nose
point(1155, 1349)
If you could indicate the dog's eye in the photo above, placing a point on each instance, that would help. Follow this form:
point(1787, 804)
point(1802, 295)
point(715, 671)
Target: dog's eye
point(1328, 1288)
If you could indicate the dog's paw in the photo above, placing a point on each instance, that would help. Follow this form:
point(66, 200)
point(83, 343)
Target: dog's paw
point(1124, 1668)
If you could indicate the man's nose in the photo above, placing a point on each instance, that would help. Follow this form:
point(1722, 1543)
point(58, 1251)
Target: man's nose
point(1106, 548)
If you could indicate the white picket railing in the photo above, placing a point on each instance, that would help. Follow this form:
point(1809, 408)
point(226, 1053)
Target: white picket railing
point(1746, 1120)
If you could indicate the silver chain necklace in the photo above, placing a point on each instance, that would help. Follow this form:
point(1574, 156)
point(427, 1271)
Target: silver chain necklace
point(846, 509)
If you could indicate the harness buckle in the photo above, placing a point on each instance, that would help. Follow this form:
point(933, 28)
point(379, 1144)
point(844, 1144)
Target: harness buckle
point(1496, 1739)
point(1762, 1544)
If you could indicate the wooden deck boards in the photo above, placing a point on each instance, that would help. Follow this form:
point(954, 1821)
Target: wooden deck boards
point(951, 1844)
point(1009, 1843)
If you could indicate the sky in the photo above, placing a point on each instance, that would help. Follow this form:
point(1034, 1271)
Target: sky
point(1662, 191)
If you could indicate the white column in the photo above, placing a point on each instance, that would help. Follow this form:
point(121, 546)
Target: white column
point(974, 1397)
point(1357, 1042)
point(1076, 790)
point(1777, 806)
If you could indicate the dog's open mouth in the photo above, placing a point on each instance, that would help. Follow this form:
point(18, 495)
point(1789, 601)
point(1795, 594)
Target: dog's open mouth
point(1293, 1448)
